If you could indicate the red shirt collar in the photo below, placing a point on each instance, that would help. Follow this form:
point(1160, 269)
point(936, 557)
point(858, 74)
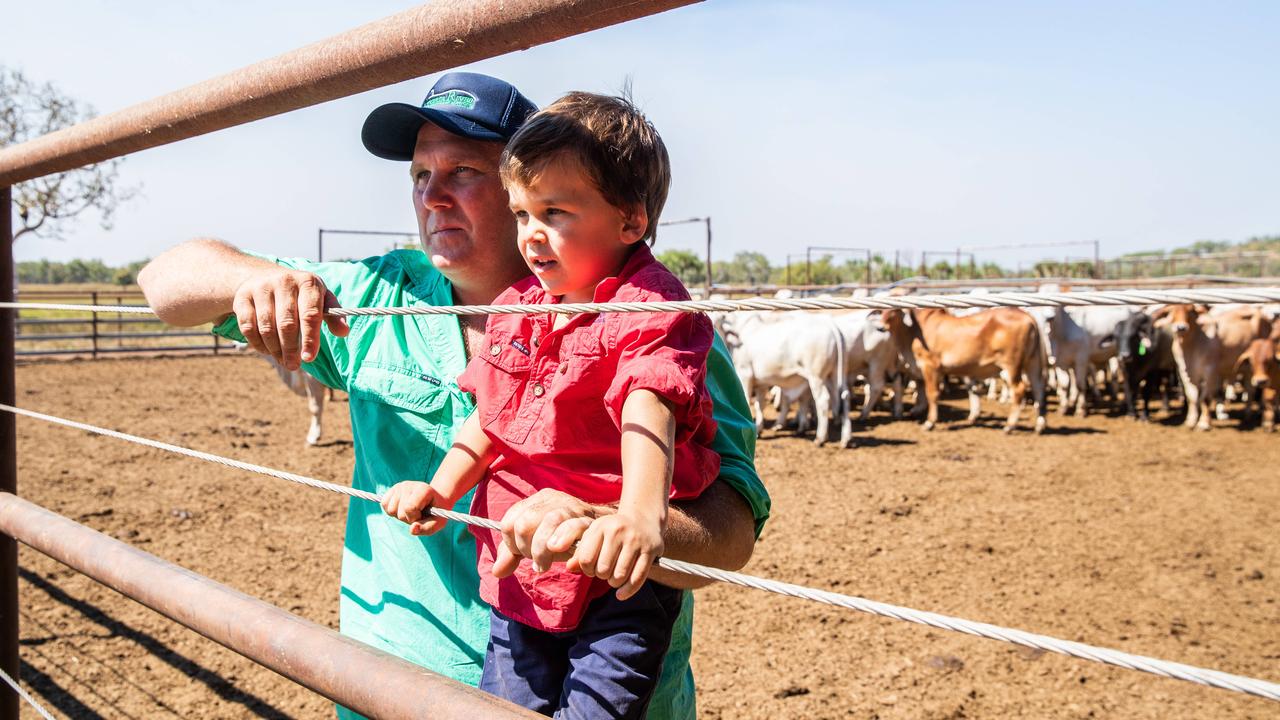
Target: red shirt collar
point(641, 256)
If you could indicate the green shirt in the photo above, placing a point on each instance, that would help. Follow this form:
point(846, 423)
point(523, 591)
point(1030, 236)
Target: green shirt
point(418, 597)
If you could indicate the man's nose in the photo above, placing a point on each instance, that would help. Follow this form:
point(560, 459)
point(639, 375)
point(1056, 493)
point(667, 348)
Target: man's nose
point(435, 194)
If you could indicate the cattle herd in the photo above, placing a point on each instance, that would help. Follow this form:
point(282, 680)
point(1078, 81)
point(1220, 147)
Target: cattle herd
point(1203, 356)
point(812, 360)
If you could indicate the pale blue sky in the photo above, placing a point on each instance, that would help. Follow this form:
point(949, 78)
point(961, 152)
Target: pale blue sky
point(905, 125)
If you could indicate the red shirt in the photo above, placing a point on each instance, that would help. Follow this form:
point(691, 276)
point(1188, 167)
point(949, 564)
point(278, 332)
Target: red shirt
point(551, 401)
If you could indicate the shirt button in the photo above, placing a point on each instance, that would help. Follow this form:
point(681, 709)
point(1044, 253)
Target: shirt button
point(537, 390)
point(495, 349)
point(564, 368)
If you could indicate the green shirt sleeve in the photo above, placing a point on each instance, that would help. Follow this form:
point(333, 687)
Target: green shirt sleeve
point(735, 433)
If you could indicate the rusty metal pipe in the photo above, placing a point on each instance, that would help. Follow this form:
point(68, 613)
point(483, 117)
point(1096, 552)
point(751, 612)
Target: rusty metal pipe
point(8, 457)
point(365, 679)
point(426, 39)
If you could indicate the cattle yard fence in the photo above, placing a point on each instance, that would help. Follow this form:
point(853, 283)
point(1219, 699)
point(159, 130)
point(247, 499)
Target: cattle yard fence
point(426, 39)
point(420, 41)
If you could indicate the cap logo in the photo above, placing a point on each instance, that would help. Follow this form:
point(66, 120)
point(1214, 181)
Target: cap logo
point(455, 98)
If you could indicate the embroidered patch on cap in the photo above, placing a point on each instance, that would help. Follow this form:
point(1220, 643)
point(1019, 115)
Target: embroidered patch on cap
point(456, 98)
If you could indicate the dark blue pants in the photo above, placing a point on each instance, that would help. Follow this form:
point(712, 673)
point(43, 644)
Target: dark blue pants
point(605, 668)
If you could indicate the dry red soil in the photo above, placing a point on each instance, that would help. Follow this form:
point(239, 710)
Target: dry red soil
point(1146, 538)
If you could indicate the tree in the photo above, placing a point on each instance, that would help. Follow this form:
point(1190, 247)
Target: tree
point(749, 267)
point(29, 110)
point(684, 265)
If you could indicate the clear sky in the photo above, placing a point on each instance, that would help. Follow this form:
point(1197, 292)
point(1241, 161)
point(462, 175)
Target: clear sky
point(896, 126)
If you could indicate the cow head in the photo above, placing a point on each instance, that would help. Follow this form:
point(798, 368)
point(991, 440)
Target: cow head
point(1134, 337)
point(1263, 357)
point(1179, 318)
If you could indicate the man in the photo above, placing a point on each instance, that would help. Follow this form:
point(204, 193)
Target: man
point(417, 597)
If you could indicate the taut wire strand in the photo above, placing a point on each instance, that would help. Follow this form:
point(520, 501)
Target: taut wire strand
point(903, 302)
point(25, 696)
point(1155, 666)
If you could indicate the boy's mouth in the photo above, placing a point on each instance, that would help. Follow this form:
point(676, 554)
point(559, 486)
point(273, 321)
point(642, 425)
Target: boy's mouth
point(543, 264)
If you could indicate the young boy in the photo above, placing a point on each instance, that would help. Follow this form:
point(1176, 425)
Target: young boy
point(608, 407)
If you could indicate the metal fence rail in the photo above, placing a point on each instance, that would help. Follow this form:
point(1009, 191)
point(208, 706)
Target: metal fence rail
point(348, 672)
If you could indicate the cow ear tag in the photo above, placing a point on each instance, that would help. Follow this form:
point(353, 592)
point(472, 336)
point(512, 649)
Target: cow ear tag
point(1142, 348)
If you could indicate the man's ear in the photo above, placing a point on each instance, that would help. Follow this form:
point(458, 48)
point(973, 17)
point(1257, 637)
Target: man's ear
point(635, 224)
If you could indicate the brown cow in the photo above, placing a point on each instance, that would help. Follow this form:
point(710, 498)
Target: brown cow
point(1206, 350)
point(1263, 359)
point(996, 342)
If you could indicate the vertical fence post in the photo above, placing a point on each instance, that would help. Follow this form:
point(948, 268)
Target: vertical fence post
point(93, 324)
point(8, 459)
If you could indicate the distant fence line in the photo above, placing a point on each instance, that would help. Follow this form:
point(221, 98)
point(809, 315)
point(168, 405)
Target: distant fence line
point(93, 334)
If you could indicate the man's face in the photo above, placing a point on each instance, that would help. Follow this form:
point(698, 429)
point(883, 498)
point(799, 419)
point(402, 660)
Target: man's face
point(464, 224)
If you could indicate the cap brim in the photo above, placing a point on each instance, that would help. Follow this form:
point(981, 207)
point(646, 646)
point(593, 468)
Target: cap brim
point(391, 131)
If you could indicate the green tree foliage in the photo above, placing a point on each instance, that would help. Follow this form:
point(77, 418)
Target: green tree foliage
point(29, 110)
point(77, 271)
point(685, 265)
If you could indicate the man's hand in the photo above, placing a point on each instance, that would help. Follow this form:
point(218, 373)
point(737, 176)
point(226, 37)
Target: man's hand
point(279, 312)
point(410, 501)
point(619, 549)
point(545, 527)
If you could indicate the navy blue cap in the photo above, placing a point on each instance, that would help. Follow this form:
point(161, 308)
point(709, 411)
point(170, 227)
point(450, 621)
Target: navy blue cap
point(467, 104)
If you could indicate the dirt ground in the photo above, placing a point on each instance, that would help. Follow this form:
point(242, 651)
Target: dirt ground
point(1145, 538)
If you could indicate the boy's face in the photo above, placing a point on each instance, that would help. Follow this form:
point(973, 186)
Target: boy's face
point(570, 236)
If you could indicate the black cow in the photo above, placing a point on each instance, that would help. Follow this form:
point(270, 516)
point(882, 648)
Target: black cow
point(1146, 360)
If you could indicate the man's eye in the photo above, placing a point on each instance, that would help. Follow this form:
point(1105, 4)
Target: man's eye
point(463, 170)
point(421, 177)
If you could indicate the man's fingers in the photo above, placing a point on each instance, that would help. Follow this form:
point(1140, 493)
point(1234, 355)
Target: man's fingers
point(288, 323)
point(264, 306)
point(622, 565)
point(542, 556)
point(311, 313)
point(504, 562)
point(247, 319)
point(338, 326)
point(567, 534)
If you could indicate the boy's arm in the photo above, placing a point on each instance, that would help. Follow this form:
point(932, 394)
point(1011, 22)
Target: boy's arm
point(462, 467)
point(621, 547)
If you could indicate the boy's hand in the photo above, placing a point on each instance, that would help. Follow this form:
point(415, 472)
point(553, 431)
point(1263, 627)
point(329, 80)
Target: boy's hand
point(620, 549)
point(409, 502)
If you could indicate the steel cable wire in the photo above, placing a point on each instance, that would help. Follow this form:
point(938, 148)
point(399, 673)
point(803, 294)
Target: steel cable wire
point(904, 302)
point(1155, 666)
point(25, 696)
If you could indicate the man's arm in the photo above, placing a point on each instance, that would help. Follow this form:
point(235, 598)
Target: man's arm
point(278, 309)
point(717, 528)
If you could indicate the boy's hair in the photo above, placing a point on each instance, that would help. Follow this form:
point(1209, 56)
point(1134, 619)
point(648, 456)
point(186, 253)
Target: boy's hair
point(609, 136)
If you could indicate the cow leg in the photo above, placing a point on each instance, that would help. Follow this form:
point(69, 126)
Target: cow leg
point(897, 396)
point(975, 404)
point(1018, 389)
point(929, 397)
point(804, 415)
point(822, 409)
point(784, 407)
point(1038, 395)
point(1081, 399)
point(875, 388)
point(1205, 395)
point(315, 403)
point(1270, 401)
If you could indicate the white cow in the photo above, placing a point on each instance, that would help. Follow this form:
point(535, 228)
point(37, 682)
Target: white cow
point(790, 350)
point(303, 385)
point(874, 353)
point(1078, 340)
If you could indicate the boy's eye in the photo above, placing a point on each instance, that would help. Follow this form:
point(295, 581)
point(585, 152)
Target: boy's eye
point(520, 214)
point(554, 211)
